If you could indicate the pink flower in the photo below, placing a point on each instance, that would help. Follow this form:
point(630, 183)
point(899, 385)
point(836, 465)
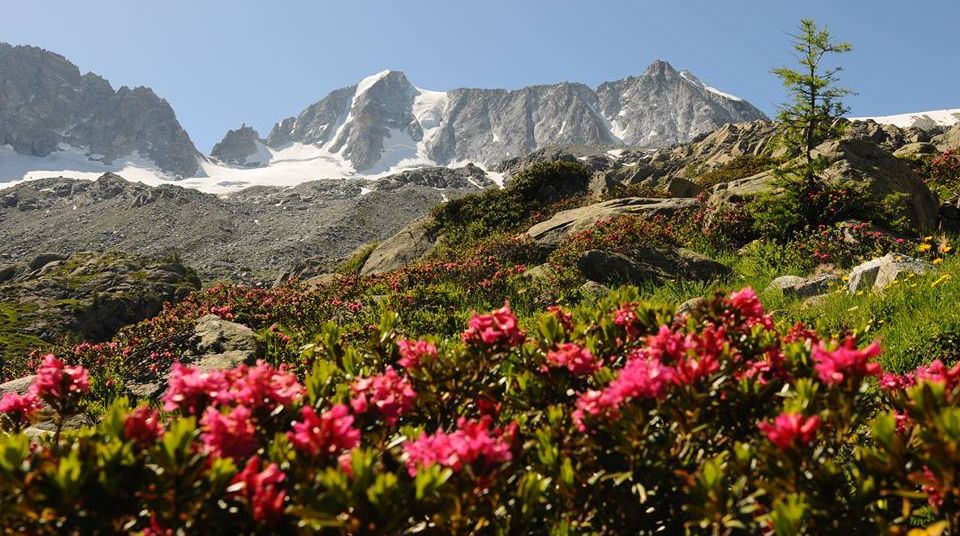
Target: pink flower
point(791, 430)
point(228, 435)
point(412, 353)
point(391, 394)
point(143, 425)
point(190, 390)
point(55, 381)
point(20, 408)
point(834, 366)
point(328, 434)
point(471, 442)
point(263, 386)
point(666, 345)
point(497, 328)
point(747, 302)
point(577, 360)
point(641, 377)
point(262, 490)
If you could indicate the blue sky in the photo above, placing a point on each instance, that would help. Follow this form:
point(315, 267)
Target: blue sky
point(223, 63)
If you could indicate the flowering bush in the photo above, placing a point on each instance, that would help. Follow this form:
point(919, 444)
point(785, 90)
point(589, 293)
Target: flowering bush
point(615, 417)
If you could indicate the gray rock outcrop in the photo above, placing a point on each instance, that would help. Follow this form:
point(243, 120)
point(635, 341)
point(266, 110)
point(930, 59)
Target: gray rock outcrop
point(564, 223)
point(881, 272)
point(45, 103)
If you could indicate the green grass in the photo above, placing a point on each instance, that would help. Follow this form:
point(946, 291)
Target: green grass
point(13, 341)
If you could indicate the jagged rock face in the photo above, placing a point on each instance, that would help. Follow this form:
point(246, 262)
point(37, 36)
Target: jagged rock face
point(46, 102)
point(664, 106)
point(367, 122)
point(241, 147)
point(484, 125)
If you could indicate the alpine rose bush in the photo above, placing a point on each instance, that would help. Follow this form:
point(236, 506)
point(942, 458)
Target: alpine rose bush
point(617, 417)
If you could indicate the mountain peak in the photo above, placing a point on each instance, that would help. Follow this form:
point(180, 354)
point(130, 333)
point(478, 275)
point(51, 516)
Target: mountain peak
point(660, 66)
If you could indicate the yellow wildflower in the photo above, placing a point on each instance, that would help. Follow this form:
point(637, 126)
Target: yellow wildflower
point(937, 261)
point(943, 279)
point(924, 247)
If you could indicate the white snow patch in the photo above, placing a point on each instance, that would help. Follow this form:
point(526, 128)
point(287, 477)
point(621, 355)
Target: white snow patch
point(369, 81)
point(615, 153)
point(687, 75)
point(929, 119)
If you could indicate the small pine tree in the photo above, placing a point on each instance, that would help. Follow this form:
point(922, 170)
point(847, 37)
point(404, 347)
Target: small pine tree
point(812, 116)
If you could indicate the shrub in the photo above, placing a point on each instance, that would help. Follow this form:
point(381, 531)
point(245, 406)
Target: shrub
point(612, 418)
point(942, 173)
point(540, 185)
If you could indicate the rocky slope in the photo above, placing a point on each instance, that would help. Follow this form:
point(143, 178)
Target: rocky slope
point(253, 235)
point(47, 105)
point(385, 118)
point(84, 296)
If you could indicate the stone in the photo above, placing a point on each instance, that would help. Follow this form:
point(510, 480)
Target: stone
point(785, 281)
point(44, 259)
point(411, 244)
point(690, 305)
point(567, 222)
point(881, 272)
point(915, 150)
point(18, 386)
point(804, 287)
point(680, 187)
point(221, 344)
point(648, 264)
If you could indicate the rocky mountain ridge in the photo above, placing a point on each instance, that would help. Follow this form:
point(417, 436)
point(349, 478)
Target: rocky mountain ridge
point(47, 106)
point(369, 122)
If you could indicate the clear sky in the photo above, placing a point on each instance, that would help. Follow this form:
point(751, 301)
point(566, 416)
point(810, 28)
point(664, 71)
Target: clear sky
point(223, 63)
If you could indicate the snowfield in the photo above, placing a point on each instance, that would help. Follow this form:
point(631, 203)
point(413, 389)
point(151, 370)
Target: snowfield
point(944, 118)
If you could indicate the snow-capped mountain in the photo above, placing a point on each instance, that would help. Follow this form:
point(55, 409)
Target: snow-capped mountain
point(55, 121)
point(385, 121)
point(51, 114)
point(922, 120)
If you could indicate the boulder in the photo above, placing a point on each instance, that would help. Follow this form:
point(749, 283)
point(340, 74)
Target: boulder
point(562, 224)
point(852, 163)
point(690, 305)
point(811, 286)
point(915, 150)
point(879, 273)
point(950, 140)
point(220, 344)
point(881, 175)
point(648, 264)
point(18, 386)
point(680, 187)
point(44, 259)
point(411, 244)
point(786, 281)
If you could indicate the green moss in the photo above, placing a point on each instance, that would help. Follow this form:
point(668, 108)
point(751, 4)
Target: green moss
point(355, 262)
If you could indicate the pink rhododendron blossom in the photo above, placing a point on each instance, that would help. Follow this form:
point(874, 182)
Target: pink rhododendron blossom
point(834, 366)
point(327, 434)
point(748, 304)
point(497, 328)
point(228, 435)
point(19, 408)
point(389, 393)
point(143, 425)
point(642, 377)
point(791, 430)
point(262, 386)
point(262, 490)
point(577, 360)
point(191, 390)
point(471, 442)
point(413, 353)
point(666, 345)
point(55, 380)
